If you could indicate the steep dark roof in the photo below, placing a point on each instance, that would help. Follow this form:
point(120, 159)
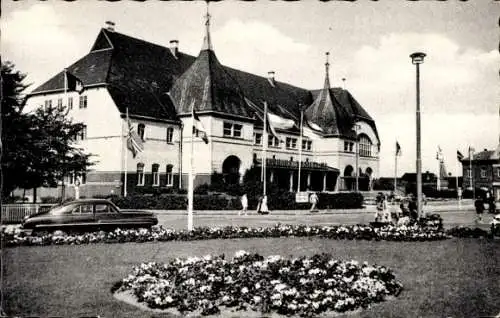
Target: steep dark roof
point(137, 74)
point(91, 69)
point(140, 76)
point(208, 86)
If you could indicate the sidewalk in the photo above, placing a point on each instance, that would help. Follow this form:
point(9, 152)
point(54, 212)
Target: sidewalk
point(442, 207)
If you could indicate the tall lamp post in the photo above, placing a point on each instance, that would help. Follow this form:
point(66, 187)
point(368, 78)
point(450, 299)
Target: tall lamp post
point(417, 58)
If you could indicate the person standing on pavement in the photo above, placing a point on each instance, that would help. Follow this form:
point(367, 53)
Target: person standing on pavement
point(313, 199)
point(479, 205)
point(263, 206)
point(244, 204)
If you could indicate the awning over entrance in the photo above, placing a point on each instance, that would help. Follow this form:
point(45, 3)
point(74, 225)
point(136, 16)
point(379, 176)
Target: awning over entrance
point(294, 165)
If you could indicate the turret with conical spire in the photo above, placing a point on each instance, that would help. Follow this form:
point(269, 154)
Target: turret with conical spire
point(207, 42)
point(326, 111)
point(207, 85)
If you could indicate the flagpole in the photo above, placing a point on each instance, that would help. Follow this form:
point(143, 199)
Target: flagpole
point(438, 184)
point(300, 146)
point(125, 169)
point(190, 181)
point(264, 157)
point(470, 174)
point(65, 96)
point(395, 168)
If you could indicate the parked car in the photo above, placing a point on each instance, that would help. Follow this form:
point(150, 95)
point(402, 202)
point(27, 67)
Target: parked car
point(88, 214)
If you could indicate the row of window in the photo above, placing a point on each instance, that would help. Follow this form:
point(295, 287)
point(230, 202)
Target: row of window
point(141, 131)
point(483, 172)
point(365, 146)
point(80, 176)
point(82, 102)
point(155, 173)
point(291, 143)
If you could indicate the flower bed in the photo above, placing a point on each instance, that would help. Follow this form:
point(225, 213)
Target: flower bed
point(159, 233)
point(304, 286)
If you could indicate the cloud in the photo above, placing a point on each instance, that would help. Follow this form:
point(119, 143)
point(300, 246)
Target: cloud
point(258, 47)
point(453, 78)
point(36, 37)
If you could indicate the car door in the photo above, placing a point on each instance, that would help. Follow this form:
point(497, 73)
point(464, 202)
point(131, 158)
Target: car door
point(82, 215)
point(106, 214)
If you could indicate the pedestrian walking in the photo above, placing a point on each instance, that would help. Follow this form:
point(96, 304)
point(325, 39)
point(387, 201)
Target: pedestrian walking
point(479, 205)
point(263, 206)
point(313, 199)
point(244, 204)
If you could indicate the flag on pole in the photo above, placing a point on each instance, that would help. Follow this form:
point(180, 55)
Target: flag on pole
point(439, 153)
point(73, 83)
point(199, 128)
point(134, 141)
point(459, 156)
point(398, 149)
point(270, 126)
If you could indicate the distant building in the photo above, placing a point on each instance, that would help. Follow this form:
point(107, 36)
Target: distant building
point(485, 172)
point(157, 86)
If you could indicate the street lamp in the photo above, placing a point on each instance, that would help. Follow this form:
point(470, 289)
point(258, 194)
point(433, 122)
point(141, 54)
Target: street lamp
point(417, 58)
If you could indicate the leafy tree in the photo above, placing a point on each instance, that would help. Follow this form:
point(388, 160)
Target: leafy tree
point(38, 148)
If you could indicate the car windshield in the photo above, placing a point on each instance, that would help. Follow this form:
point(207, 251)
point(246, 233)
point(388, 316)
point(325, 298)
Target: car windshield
point(63, 209)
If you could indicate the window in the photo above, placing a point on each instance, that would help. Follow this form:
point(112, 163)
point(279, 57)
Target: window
point(498, 172)
point(83, 101)
point(140, 174)
point(237, 130)
point(59, 104)
point(102, 208)
point(170, 176)
point(156, 175)
point(83, 209)
point(232, 130)
point(195, 132)
point(70, 102)
point(291, 143)
point(257, 138)
point(82, 135)
point(365, 146)
point(81, 176)
point(483, 172)
point(348, 146)
point(273, 142)
point(48, 104)
point(306, 144)
point(170, 134)
point(140, 130)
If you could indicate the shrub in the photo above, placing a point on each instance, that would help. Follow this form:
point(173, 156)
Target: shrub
point(50, 200)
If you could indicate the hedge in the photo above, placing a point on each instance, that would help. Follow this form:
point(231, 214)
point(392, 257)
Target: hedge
point(283, 201)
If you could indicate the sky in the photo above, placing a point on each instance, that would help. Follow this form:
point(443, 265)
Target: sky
point(369, 44)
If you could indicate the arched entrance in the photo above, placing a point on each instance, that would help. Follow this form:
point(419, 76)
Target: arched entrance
point(231, 170)
point(348, 179)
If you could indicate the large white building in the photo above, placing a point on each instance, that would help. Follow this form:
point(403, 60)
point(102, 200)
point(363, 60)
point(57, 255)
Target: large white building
point(157, 86)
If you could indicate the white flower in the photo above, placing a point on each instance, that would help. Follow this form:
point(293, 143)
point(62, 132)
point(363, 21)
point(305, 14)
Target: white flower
point(257, 299)
point(244, 290)
point(168, 299)
point(280, 287)
point(240, 254)
point(257, 286)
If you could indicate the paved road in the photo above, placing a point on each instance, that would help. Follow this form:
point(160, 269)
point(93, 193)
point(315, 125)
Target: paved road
point(452, 213)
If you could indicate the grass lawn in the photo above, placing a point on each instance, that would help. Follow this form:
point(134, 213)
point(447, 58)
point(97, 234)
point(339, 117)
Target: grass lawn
point(452, 278)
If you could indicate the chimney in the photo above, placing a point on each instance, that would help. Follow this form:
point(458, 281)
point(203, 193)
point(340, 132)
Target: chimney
point(174, 47)
point(270, 77)
point(110, 26)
